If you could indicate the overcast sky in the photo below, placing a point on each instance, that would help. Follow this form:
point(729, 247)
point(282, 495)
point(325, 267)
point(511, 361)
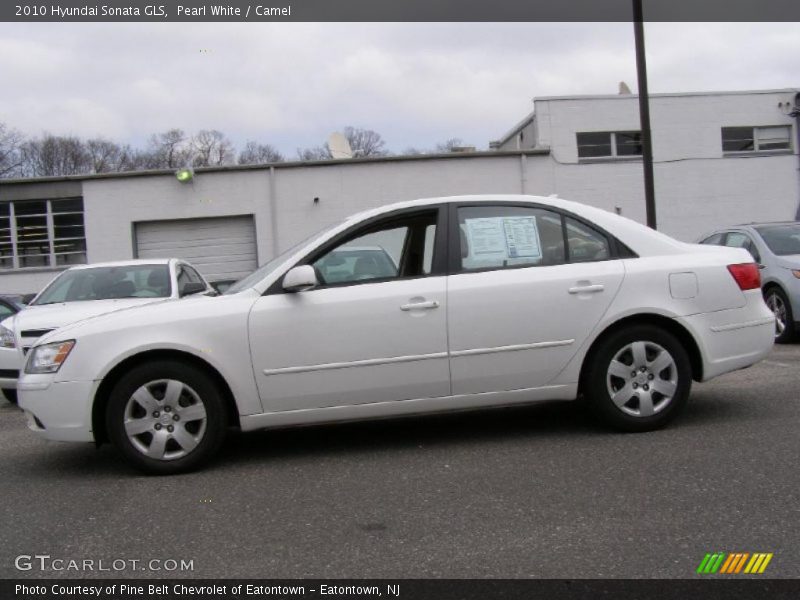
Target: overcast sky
point(292, 84)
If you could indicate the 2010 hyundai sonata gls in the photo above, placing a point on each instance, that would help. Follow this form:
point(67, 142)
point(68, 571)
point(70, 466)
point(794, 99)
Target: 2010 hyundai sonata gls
point(430, 305)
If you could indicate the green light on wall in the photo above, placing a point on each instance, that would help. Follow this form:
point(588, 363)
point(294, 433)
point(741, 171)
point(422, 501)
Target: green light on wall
point(184, 175)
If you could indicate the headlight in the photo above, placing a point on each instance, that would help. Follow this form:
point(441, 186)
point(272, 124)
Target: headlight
point(49, 357)
point(796, 273)
point(7, 339)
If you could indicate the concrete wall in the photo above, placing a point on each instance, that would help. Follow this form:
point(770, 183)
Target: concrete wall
point(112, 206)
point(344, 189)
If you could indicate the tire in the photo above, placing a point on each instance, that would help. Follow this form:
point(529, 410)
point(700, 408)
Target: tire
point(625, 396)
point(10, 395)
point(166, 417)
point(782, 309)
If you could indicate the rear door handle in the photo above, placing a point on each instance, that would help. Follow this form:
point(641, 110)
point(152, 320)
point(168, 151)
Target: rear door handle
point(587, 289)
point(420, 305)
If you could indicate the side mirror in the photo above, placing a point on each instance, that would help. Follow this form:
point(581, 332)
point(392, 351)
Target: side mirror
point(300, 279)
point(191, 287)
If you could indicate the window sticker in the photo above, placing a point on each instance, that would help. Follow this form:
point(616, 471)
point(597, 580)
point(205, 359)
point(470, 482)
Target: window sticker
point(486, 238)
point(503, 238)
point(522, 237)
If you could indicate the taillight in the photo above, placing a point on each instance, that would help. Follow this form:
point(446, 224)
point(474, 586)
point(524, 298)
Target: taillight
point(747, 276)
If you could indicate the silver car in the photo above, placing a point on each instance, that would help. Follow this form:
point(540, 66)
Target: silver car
point(776, 249)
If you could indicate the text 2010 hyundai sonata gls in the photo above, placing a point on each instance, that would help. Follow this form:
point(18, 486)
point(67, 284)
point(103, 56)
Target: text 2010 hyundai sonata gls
point(462, 302)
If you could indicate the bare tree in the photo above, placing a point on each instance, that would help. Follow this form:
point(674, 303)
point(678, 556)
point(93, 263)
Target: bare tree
point(449, 145)
point(443, 147)
point(109, 157)
point(10, 156)
point(365, 142)
point(316, 153)
point(254, 153)
point(211, 148)
point(167, 150)
point(411, 151)
point(53, 155)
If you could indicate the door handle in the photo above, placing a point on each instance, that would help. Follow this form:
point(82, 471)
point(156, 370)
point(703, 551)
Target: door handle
point(587, 289)
point(420, 305)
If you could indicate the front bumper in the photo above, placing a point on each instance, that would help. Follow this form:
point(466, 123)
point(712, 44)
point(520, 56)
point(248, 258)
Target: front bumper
point(11, 362)
point(58, 410)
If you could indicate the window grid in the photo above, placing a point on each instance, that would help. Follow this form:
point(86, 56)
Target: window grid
point(24, 252)
point(764, 138)
point(614, 143)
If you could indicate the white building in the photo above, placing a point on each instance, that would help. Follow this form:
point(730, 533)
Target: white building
point(720, 158)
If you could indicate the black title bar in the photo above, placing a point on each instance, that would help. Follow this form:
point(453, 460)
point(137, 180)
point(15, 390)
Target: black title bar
point(395, 10)
point(716, 588)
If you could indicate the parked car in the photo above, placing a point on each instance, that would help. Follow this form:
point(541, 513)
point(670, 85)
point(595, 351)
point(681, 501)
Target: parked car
point(9, 306)
point(222, 285)
point(85, 291)
point(495, 300)
point(776, 249)
point(19, 300)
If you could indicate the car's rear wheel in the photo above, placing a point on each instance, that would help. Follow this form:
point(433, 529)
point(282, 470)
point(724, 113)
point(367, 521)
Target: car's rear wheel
point(638, 378)
point(166, 417)
point(784, 320)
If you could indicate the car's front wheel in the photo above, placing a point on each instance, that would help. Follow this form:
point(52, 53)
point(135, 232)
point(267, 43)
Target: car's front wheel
point(166, 417)
point(638, 379)
point(784, 320)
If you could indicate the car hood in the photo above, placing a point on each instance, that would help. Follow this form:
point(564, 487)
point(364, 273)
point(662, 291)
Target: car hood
point(52, 316)
point(791, 261)
point(165, 310)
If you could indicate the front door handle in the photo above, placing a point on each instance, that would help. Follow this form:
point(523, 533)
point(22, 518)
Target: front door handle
point(587, 289)
point(420, 305)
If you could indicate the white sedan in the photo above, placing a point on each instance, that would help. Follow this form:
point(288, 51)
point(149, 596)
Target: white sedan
point(86, 291)
point(483, 301)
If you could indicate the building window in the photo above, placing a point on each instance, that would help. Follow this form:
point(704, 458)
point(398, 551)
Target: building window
point(756, 139)
point(609, 144)
point(42, 233)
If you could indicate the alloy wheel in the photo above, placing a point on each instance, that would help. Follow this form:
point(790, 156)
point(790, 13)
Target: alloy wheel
point(777, 306)
point(165, 419)
point(642, 379)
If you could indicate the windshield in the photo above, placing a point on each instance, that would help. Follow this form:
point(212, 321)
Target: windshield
point(264, 270)
point(783, 240)
point(105, 283)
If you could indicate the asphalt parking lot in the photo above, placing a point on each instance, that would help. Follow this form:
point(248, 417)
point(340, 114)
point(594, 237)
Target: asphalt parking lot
point(538, 491)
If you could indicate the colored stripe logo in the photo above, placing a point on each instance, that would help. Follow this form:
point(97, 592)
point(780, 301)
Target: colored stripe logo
point(733, 563)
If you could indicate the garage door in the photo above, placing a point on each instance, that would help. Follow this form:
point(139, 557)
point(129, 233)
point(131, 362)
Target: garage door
point(220, 248)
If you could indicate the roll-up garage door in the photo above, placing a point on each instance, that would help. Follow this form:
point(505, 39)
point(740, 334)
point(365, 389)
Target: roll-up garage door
point(220, 248)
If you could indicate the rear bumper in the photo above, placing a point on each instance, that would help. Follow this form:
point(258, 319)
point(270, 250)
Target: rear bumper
point(58, 411)
point(733, 339)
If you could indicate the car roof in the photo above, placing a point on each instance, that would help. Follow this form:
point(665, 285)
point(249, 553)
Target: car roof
point(746, 226)
point(769, 224)
point(126, 263)
point(638, 237)
point(360, 249)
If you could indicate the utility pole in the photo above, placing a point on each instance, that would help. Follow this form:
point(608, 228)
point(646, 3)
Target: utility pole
point(644, 115)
